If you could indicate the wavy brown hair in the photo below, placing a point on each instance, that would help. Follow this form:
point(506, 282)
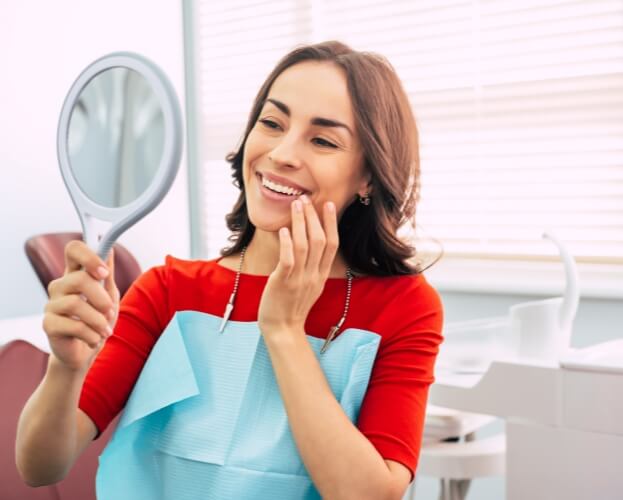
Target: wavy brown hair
point(388, 134)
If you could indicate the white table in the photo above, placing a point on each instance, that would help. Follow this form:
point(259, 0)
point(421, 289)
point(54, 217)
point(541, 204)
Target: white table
point(564, 424)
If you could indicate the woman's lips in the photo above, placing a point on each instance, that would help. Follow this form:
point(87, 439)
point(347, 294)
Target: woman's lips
point(282, 182)
point(272, 195)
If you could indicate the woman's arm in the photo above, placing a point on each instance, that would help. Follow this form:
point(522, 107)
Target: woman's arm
point(52, 432)
point(341, 461)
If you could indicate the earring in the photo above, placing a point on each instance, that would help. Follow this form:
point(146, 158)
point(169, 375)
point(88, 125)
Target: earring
point(365, 199)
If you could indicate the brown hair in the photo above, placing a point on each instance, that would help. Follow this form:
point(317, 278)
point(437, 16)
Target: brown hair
point(386, 128)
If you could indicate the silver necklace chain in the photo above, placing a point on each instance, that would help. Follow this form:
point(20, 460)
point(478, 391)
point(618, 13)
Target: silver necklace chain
point(332, 332)
point(230, 305)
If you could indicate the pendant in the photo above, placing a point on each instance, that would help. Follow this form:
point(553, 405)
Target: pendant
point(228, 309)
point(332, 332)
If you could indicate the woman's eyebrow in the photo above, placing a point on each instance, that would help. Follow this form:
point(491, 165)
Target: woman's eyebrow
point(322, 122)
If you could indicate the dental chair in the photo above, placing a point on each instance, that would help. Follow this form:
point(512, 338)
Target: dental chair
point(24, 365)
point(46, 253)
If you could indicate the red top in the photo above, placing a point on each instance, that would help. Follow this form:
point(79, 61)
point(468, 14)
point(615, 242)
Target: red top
point(404, 310)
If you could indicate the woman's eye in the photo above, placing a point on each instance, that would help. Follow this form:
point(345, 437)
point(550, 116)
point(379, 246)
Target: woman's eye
point(269, 123)
point(324, 142)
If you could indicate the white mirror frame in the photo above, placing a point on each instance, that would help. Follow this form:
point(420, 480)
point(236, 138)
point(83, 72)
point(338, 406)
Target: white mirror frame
point(101, 226)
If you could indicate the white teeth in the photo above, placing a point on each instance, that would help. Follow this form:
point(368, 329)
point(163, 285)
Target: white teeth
point(279, 188)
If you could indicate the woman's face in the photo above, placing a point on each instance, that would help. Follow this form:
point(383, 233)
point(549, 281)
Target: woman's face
point(303, 142)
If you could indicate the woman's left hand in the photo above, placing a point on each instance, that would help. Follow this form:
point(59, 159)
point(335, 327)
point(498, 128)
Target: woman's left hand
point(305, 259)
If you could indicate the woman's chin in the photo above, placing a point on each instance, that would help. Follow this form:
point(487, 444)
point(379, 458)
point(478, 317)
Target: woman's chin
point(269, 226)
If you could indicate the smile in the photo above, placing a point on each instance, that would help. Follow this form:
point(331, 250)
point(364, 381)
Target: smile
point(278, 187)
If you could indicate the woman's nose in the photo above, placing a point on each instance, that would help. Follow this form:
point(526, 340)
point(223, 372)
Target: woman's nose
point(287, 152)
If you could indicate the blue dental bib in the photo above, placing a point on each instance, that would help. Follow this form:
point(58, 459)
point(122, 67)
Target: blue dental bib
point(206, 420)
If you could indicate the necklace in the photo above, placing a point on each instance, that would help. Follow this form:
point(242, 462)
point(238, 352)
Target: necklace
point(332, 332)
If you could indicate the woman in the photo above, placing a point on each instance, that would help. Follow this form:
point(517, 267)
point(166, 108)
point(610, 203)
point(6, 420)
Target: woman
point(297, 365)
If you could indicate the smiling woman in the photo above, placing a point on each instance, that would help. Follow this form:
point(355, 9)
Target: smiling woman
point(291, 143)
point(344, 114)
point(295, 366)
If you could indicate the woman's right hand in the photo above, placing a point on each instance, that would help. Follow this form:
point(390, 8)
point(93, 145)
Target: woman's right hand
point(81, 313)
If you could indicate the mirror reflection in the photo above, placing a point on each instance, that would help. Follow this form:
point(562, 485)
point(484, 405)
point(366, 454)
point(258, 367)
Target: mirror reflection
point(116, 136)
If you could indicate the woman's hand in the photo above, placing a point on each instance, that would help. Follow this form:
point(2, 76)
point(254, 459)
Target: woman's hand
point(305, 260)
point(81, 312)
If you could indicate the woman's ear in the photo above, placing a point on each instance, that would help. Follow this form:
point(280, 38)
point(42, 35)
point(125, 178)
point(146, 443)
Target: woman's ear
point(365, 188)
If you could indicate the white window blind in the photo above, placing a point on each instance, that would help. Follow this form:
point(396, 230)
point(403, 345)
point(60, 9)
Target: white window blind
point(519, 107)
point(239, 42)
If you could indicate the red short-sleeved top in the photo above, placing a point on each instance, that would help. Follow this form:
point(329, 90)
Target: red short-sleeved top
point(404, 310)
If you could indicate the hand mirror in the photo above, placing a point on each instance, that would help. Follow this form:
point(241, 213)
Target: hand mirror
point(119, 144)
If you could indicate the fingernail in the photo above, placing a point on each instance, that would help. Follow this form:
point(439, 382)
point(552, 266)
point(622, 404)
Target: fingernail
point(110, 314)
point(102, 272)
point(304, 198)
point(298, 206)
point(108, 330)
point(331, 207)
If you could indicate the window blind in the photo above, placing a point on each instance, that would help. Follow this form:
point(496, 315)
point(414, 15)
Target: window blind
point(238, 44)
point(519, 107)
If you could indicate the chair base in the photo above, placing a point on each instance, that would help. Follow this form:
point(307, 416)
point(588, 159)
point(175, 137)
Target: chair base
point(457, 463)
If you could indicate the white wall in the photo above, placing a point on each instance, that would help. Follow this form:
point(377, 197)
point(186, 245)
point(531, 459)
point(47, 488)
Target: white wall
point(43, 48)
